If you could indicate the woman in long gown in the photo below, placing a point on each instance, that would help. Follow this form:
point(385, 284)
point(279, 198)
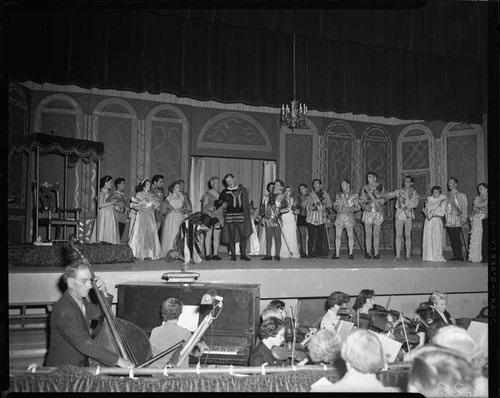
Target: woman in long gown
point(107, 225)
point(175, 205)
point(479, 213)
point(435, 207)
point(143, 233)
point(289, 228)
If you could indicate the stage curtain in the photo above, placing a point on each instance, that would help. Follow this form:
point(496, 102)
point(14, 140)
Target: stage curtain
point(127, 49)
point(73, 379)
point(197, 184)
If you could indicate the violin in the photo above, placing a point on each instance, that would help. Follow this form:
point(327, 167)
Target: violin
point(283, 353)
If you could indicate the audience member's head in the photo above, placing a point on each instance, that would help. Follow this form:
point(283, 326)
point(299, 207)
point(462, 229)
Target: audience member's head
point(171, 309)
point(324, 346)
point(362, 351)
point(337, 298)
point(460, 340)
point(440, 372)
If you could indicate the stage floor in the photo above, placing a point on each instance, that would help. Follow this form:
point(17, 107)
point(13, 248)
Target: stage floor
point(359, 262)
point(289, 279)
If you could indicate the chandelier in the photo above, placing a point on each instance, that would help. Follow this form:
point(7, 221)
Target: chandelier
point(295, 114)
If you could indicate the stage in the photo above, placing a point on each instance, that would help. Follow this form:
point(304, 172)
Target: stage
point(304, 281)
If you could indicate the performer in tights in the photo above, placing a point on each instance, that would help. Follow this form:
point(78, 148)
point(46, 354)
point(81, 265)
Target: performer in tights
point(406, 202)
point(237, 222)
point(372, 199)
point(456, 218)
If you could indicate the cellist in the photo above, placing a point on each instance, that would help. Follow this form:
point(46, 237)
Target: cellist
point(70, 339)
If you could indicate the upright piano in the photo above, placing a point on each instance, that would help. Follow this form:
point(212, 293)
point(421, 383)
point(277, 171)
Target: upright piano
point(231, 336)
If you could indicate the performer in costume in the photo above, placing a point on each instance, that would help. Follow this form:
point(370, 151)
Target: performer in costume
point(406, 202)
point(157, 191)
point(318, 205)
point(262, 235)
point(143, 233)
point(175, 207)
point(301, 212)
point(70, 339)
point(372, 199)
point(107, 225)
point(270, 212)
point(207, 204)
point(434, 210)
point(121, 209)
point(289, 225)
point(237, 220)
point(189, 207)
point(456, 217)
point(346, 204)
point(478, 215)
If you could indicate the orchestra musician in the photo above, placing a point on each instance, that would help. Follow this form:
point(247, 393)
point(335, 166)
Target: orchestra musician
point(335, 301)
point(271, 334)
point(169, 333)
point(361, 308)
point(70, 339)
point(434, 313)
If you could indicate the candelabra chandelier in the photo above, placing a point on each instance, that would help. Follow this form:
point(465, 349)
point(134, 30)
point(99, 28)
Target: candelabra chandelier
point(295, 114)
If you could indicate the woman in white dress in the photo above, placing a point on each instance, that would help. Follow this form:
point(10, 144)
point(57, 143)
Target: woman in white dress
point(434, 210)
point(289, 227)
point(479, 213)
point(175, 205)
point(143, 233)
point(107, 225)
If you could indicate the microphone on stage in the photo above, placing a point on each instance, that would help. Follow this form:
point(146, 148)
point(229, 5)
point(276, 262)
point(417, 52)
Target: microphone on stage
point(210, 296)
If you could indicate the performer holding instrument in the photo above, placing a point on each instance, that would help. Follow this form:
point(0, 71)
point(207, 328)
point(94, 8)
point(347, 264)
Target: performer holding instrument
point(70, 340)
point(406, 202)
point(372, 200)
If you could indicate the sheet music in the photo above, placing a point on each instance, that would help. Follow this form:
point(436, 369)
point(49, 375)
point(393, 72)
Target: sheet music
point(479, 333)
point(344, 328)
point(190, 317)
point(391, 347)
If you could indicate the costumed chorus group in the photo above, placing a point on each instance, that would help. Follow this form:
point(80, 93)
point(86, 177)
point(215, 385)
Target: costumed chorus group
point(292, 226)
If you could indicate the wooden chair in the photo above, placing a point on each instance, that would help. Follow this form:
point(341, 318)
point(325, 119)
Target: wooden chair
point(66, 216)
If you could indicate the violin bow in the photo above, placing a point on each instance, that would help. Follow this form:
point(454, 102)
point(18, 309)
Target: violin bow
point(406, 336)
point(294, 330)
point(388, 302)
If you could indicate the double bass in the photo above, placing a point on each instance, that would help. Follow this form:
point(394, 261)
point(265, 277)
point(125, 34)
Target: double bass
point(116, 334)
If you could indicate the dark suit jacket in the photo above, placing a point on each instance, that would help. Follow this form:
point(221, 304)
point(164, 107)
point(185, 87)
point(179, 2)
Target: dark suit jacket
point(70, 339)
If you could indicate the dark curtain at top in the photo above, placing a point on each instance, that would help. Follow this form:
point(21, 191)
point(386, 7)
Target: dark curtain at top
point(190, 57)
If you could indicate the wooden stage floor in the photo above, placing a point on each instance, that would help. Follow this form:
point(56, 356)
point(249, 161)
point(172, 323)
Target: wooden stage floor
point(289, 279)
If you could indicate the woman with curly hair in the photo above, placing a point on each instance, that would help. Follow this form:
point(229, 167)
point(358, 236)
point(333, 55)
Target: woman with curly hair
point(143, 233)
point(175, 205)
point(271, 334)
point(106, 228)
